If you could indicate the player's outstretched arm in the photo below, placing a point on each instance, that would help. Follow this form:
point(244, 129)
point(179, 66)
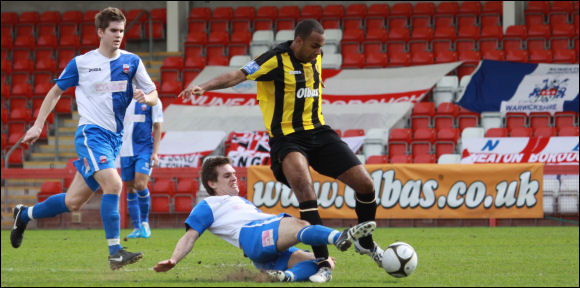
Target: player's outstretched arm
point(182, 248)
point(225, 80)
point(48, 104)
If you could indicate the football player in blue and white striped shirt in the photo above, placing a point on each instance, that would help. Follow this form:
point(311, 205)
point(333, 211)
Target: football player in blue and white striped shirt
point(104, 80)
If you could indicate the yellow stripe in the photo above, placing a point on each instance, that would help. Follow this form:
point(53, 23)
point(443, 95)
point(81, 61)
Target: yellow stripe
point(307, 113)
point(289, 95)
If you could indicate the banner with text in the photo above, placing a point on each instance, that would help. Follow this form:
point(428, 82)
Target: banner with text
point(253, 148)
point(548, 150)
point(179, 149)
point(350, 86)
point(521, 87)
point(408, 191)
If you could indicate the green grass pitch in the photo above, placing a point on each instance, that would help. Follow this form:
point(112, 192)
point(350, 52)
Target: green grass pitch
point(475, 256)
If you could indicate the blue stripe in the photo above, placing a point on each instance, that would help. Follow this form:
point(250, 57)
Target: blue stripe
point(69, 77)
point(121, 100)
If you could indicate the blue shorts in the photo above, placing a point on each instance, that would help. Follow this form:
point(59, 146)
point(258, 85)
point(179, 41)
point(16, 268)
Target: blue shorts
point(97, 149)
point(133, 164)
point(258, 240)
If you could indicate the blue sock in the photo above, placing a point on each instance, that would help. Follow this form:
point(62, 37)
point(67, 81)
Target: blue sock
point(317, 235)
point(144, 204)
point(50, 207)
point(302, 270)
point(134, 212)
point(111, 221)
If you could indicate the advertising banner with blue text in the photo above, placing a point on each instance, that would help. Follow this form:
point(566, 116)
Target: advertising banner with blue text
point(416, 191)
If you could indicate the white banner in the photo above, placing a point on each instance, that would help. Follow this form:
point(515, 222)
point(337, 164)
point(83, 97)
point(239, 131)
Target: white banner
point(548, 150)
point(186, 148)
point(545, 89)
point(351, 86)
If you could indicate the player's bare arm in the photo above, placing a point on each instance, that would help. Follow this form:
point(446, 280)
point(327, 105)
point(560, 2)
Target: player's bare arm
point(149, 99)
point(225, 80)
point(156, 140)
point(48, 104)
point(184, 246)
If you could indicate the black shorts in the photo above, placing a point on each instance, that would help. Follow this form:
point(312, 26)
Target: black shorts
point(322, 147)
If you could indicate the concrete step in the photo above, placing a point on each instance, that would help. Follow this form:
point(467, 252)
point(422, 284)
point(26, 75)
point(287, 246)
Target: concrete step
point(44, 164)
point(47, 156)
point(69, 123)
point(62, 140)
point(44, 148)
point(67, 131)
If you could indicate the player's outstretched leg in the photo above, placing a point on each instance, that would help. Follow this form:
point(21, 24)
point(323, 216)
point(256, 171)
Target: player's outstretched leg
point(18, 227)
point(354, 233)
point(376, 252)
point(123, 258)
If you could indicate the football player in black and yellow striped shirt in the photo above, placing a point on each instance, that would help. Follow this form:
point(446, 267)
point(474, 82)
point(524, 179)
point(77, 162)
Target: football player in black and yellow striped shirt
point(290, 97)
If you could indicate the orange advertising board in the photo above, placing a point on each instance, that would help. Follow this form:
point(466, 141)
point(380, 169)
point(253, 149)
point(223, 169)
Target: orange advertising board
point(408, 191)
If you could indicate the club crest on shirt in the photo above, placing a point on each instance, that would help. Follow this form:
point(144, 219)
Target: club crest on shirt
point(268, 238)
point(126, 68)
point(143, 107)
point(103, 159)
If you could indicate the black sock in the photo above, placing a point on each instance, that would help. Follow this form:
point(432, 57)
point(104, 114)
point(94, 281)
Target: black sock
point(309, 212)
point(366, 209)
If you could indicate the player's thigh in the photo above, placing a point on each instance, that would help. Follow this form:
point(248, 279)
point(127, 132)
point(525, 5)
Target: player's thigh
point(78, 193)
point(109, 180)
point(287, 232)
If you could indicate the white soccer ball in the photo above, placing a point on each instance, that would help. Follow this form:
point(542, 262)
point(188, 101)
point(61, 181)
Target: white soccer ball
point(399, 259)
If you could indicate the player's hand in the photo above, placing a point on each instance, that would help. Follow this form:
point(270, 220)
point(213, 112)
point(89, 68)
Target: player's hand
point(31, 135)
point(191, 90)
point(154, 160)
point(165, 265)
point(139, 96)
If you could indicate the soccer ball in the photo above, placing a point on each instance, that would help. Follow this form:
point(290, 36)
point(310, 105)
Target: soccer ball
point(399, 259)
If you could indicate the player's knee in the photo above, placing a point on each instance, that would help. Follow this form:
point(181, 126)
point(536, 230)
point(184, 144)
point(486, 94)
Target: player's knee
point(302, 223)
point(72, 205)
point(140, 186)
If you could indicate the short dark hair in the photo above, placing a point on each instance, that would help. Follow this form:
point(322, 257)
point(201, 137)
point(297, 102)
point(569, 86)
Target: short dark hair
point(305, 28)
point(108, 15)
point(209, 171)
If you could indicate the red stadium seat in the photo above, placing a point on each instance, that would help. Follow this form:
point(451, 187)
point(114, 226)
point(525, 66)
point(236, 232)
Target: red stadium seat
point(491, 14)
point(540, 56)
point(64, 56)
point(466, 119)
point(311, 11)
point(161, 192)
point(422, 114)
point(184, 198)
point(445, 56)
point(399, 140)
point(445, 15)
point(42, 83)
point(22, 58)
point(398, 59)
point(45, 60)
point(564, 119)
point(198, 19)
point(353, 133)
point(423, 139)
point(158, 21)
point(377, 159)
point(400, 15)
point(220, 20)
point(16, 158)
point(375, 35)
point(516, 56)
point(559, 12)
point(401, 159)
point(514, 37)
point(21, 85)
point(540, 119)
point(265, 16)
point(422, 16)
point(194, 58)
point(545, 132)
point(424, 158)
point(515, 120)
point(496, 132)
point(520, 132)
point(287, 17)
point(467, 37)
point(397, 40)
point(422, 58)
point(568, 131)
point(445, 115)
point(468, 14)
point(444, 38)
point(536, 12)
point(374, 56)
point(538, 36)
point(561, 35)
point(490, 38)
point(353, 35)
point(48, 189)
point(420, 39)
point(446, 141)
point(564, 56)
